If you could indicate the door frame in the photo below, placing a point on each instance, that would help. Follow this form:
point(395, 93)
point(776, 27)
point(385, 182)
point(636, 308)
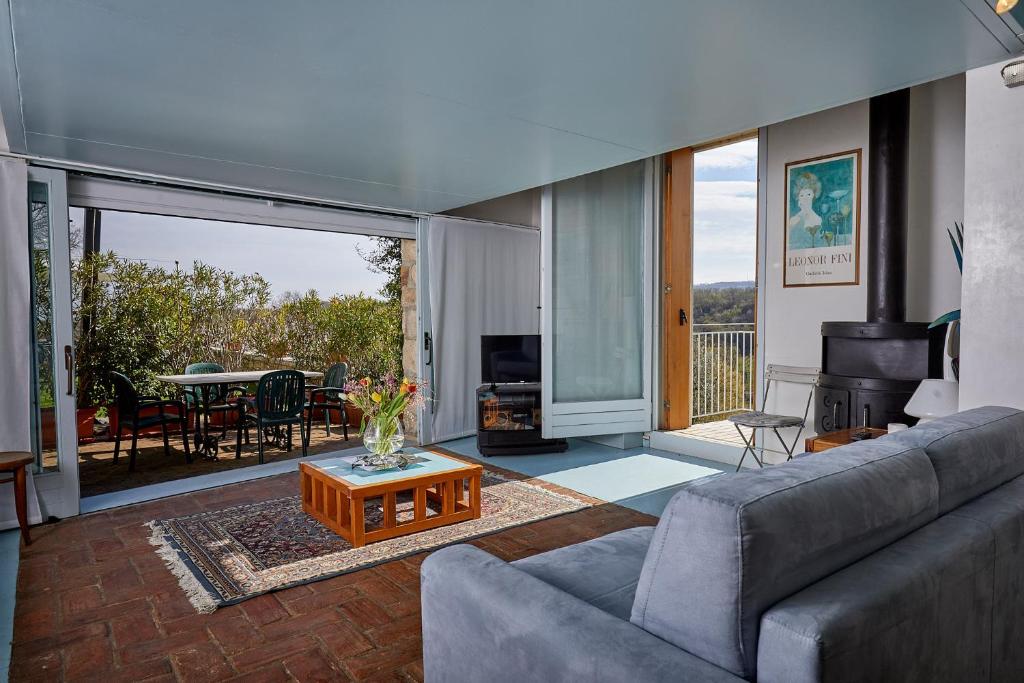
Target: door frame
point(58, 491)
point(677, 291)
point(677, 267)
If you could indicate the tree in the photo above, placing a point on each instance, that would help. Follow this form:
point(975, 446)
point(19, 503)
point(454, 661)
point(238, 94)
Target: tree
point(386, 258)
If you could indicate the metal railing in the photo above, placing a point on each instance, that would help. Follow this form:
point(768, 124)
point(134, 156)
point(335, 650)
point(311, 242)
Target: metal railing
point(723, 370)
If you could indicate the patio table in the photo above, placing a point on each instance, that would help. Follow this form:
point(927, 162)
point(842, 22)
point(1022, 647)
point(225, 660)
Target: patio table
point(206, 444)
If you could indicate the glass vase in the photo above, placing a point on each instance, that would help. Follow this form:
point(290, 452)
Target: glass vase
point(383, 437)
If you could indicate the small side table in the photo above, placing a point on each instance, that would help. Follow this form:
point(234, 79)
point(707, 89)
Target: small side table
point(15, 462)
point(823, 442)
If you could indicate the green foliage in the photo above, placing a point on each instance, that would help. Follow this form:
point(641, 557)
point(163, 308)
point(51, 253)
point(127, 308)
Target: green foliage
point(386, 258)
point(729, 305)
point(146, 321)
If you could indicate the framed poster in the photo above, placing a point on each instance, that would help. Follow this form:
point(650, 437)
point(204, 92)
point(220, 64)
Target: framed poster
point(822, 221)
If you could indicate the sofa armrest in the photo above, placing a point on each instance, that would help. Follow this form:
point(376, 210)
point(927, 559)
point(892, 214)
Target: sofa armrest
point(484, 619)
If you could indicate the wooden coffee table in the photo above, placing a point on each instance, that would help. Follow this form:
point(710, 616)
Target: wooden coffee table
point(334, 493)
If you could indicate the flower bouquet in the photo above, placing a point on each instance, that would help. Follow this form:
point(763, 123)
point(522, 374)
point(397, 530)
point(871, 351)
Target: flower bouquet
point(383, 404)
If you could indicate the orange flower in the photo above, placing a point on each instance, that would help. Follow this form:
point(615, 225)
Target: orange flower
point(404, 389)
point(365, 381)
point(412, 388)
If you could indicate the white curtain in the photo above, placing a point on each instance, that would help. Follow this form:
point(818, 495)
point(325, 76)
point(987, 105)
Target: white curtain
point(597, 286)
point(15, 360)
point(484, 278)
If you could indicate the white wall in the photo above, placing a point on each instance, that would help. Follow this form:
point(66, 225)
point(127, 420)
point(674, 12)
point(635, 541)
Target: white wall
point(520, 208)
point(992, 365)
point(936, 196)
point(791, 330)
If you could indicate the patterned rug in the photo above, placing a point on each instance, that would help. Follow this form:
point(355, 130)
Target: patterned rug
point(227, 556)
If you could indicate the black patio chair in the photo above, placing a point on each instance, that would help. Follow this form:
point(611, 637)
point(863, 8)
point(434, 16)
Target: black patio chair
point(129, 408)
point(280, 400)
point(330, 396)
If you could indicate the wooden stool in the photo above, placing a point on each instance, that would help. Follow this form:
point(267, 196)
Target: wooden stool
point(16, 462)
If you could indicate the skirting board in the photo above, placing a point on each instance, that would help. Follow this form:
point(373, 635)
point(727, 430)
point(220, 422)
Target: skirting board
point(700, 448)
point(622, 441)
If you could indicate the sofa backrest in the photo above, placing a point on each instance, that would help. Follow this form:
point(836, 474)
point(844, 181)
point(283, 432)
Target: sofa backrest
point(972, 452)
point(728, 547)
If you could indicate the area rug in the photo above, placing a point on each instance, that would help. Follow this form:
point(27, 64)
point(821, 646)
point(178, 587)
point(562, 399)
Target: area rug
point(227, 556)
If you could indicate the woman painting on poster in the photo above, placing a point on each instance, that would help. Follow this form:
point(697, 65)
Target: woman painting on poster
point(823, 220)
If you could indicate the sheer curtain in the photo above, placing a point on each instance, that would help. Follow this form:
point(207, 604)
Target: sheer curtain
point(484, 278)
point(597, 286)
point(15, 362)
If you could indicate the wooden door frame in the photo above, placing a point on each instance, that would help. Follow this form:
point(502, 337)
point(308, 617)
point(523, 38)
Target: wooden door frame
point(677, 291)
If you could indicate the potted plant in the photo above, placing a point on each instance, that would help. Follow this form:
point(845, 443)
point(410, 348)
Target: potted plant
point(953, 317)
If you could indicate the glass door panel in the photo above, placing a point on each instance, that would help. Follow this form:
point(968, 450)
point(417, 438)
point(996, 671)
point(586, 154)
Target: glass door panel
point(54, 429)
point(597, 260)
point(597, 236)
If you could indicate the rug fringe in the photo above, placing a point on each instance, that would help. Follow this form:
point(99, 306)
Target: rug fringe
point(198, 595)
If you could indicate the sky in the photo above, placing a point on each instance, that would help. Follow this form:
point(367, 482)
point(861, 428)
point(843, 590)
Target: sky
point(725, 213)
point(291, 260)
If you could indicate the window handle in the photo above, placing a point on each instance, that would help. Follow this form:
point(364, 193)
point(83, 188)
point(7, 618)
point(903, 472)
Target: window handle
point(69, 365)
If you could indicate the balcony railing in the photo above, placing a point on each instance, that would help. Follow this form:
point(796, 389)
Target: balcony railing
point(723, 370)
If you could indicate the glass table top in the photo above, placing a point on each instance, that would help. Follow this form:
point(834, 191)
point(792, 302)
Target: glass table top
point(428, 463)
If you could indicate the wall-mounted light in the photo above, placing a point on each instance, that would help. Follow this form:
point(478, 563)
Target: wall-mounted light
point(1013, 74)
point(1004, 6)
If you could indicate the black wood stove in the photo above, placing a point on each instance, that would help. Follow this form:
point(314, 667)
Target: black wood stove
point(871, 369)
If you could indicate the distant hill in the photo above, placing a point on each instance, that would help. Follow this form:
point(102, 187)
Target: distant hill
point(723, 302)
point(740, 284)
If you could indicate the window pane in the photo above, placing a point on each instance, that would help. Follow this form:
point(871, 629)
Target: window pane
point(597, 290)
point(44, 427)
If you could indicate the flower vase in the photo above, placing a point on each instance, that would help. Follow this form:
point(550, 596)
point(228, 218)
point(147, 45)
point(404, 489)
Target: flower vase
point(382, 438)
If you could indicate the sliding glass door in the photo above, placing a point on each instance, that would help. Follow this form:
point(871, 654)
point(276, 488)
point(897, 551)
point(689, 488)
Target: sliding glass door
point(54, 425)
point(597, 293)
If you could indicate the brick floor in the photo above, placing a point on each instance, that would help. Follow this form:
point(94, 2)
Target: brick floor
point(95, 602)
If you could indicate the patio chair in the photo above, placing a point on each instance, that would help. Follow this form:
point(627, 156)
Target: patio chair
point(330, 396)
point(218, 399)
point(129, 416)
point(280, 401)
point(759, 419)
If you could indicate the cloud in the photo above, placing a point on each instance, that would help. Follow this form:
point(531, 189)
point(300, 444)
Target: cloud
point(737, 155)
point(725, 230)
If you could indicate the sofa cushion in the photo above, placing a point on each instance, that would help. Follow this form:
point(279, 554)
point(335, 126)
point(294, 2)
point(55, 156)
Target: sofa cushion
point(1002, 511)
point(603, 571)
point(972, 452)
point(919, 609)
point(728, 547)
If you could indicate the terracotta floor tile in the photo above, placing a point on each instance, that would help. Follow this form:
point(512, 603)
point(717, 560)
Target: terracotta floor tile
point(314, 667)
point(264, 609)
point(87, 657)
point(201, 662)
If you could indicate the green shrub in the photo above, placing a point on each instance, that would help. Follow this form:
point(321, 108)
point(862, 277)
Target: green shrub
point(146, 321)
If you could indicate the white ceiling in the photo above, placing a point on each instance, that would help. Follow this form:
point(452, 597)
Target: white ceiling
point(432, 105)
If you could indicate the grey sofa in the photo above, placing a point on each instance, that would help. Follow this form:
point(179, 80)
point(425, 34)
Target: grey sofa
point(898, 559)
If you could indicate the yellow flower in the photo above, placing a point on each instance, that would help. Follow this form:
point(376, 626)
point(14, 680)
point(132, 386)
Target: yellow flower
point(375, 396)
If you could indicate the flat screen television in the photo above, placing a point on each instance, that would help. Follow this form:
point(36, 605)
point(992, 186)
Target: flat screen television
point(509, 358)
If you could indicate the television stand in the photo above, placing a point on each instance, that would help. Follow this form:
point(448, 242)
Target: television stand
point(508, 421)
